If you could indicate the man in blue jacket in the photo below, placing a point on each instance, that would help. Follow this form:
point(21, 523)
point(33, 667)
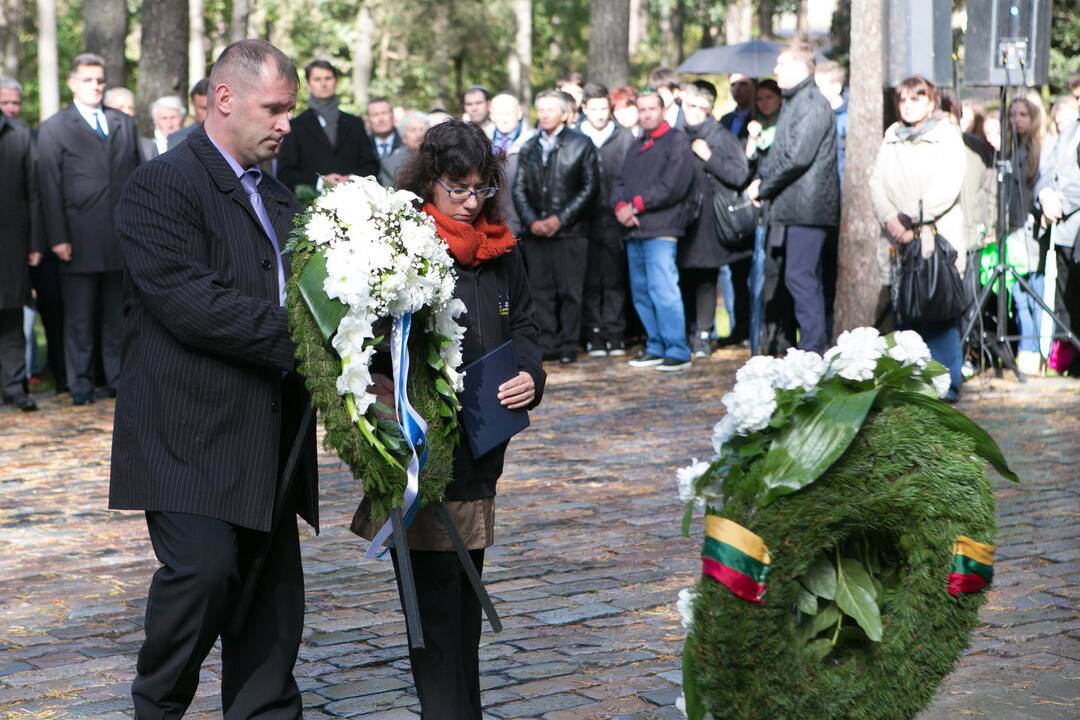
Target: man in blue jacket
point(652, 198)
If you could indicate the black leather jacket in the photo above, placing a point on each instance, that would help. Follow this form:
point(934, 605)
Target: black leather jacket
point(799, 175)
point(564, 187)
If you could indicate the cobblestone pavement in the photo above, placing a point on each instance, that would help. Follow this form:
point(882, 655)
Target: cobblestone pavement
point(585, 571)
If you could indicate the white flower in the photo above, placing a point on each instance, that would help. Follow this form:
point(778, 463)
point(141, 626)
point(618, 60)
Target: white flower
point(759, 367)
point(910, 349)
point(722, 432)
point(685, 606)
point(687, 475)
point(800, 369)
point(942, 383)
point(751, 405)
point(320, 228)
point(856, 354)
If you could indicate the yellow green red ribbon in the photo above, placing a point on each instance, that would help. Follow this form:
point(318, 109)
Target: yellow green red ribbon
point(735, 557)
point(972, 567)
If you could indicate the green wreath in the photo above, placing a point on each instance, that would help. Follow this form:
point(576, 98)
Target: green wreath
point(899, 497)
point(381, 473)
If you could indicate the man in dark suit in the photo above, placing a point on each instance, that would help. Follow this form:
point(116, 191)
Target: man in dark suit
point(86, 152)
point(198, 114)
point(20, 247)
point(209, 408)
point(325, 142)
point(384, 136)
point(738, 120)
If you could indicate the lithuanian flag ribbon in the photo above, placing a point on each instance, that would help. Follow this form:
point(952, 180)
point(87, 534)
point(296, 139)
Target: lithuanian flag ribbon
point(735, 558)
point(972, 567)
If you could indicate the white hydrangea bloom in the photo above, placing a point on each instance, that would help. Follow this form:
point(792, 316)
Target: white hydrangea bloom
point(800, 370)
point(856, 354)
point(751, 405)
point(722, 432)
point(320, 228)
point(910, 349)
point(942, 383)
point(759, 367)
point(685, 605)
point(686, 476)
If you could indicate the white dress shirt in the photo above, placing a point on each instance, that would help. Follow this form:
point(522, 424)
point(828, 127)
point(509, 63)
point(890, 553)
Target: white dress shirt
point(88, 114)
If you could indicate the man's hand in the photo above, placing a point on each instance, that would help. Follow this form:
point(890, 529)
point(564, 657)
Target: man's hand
point(701, 149)
point(539, 228)
point(553, 224)
point(1050, 200)
point(382, 387)
point(625, 215)
point(754, 192)
point(517, 393)
point(332, 179)
point(34, 259)
point(63, 251)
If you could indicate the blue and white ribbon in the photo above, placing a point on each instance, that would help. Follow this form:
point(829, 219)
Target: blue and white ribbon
point(413, 428)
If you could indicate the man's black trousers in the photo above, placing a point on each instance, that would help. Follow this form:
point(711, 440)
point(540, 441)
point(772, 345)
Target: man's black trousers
point(447, 670)
point(192, 601)
point(604, 307)
point(556, 268)
point(92, 301)
point(803, 248)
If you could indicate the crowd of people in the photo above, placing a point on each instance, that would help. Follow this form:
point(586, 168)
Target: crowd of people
point(616, 194)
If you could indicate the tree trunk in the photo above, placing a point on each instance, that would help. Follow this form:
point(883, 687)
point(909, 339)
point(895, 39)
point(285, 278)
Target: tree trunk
point(196, 41)
point(639, 23)
point(738, 22)
point(667, 36)
point(708, 31)
point(48, 62)
point(363, 57)
point(104, 33)
point(238, 25)
point(678, 29)
point(441, 56)
point(609, 42)
point(802, 20)
point(163, 56)
point(765, 18)
point(519, 60)
point(859, 290)
point(10, 20)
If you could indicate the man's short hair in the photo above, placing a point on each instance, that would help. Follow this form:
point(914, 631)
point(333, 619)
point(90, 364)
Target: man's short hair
point(564, 100)
point(377, 100)
point(168, 102)
point(831, 71)
point(87, 60)
point(10, 84)
point(801, 52)
point(594, 91)
point(411, 118)
point(571, 78)
point(664, 77)
point(244, 60)
point(322, 65)
point(114, 93)
point(476, 89)
point(650, 92)
point(505, 97)
point(200, 89)
point(704, 88)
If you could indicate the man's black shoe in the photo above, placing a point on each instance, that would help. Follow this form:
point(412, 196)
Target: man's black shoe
point(82, 399)
point(616, 348)
point(646, 359)
point(567, 358)
point(25, 403)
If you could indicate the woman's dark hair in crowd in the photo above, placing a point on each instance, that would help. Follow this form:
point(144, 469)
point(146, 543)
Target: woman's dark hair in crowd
point(950, 107)
point(451, 151)
point(917, 85)
point(770, 85)
point(594, 91)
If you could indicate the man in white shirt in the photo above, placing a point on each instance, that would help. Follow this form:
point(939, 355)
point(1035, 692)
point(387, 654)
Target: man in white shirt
point(168, 115)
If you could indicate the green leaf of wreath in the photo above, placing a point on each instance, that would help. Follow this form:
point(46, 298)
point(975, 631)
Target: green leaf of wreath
point(327, 313)
point(820, 578)
point(856, 596)
point(984, 444)
point(806, 601)
point(814, 440)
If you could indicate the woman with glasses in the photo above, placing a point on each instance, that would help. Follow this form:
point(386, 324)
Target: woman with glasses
point(457, 176)
point(920, 170)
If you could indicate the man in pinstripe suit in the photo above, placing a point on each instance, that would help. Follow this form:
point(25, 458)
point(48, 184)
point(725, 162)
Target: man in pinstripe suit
point(209, 405)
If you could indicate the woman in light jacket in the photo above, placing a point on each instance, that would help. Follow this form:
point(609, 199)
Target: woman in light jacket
point(922, 163)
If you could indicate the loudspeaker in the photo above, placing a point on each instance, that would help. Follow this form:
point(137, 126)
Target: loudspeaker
point(1007, 42)
point(919, 41)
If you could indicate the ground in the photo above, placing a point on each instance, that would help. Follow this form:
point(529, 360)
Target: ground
point(585, 570)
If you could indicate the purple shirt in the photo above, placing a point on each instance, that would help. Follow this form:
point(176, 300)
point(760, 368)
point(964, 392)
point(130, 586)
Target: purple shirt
point(249, 180)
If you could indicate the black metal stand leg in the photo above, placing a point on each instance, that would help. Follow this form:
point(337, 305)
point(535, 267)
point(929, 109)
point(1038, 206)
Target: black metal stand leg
point(408, 584)
point(1046, 309)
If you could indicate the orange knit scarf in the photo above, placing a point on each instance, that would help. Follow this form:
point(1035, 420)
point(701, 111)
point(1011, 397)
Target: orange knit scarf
point(472, 244)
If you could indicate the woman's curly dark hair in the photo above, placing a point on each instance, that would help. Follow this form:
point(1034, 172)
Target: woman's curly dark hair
point(452, 150)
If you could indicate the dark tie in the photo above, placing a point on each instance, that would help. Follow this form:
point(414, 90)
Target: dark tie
point(97, 126)
point(250, 182)
point(384, 150)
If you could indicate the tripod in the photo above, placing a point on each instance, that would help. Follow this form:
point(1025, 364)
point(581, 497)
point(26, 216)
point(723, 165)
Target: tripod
point(999, 345)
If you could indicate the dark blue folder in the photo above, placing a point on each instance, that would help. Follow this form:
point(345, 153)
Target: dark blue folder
point(487, 423)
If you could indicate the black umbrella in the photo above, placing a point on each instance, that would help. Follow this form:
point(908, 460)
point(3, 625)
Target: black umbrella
point(755, 58)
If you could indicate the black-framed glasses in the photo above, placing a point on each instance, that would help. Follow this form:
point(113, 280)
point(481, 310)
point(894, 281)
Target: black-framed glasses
point(460, 195)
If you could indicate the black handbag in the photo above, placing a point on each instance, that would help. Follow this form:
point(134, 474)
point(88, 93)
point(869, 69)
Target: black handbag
point(927, 290)
point(735, 217)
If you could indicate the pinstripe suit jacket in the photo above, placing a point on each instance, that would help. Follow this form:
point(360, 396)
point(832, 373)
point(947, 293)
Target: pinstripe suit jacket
point(205, 408)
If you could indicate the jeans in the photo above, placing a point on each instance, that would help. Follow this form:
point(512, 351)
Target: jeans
point(1028, 311)
point(757, 288)
point(943, 339)
point(654, 286)
point(724, 283)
